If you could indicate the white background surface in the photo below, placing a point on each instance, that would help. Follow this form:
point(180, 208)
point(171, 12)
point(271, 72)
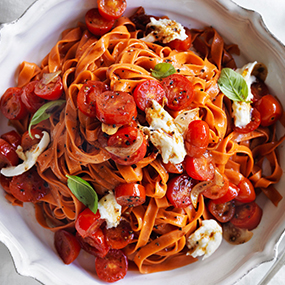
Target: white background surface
point(273, 13)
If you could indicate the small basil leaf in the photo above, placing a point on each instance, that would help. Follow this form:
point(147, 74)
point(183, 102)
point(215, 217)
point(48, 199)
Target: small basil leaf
point(162, 70)
point(44, 112)
point(83, 191)
point(233, 85)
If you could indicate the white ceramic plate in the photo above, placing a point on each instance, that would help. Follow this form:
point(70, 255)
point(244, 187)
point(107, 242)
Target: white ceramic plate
point(31, 38)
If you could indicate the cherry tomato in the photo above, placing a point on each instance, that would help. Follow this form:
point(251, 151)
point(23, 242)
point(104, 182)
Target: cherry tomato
point(247, 216)
point(96, 24)
point(27, 142)
point(13, 138)
point(87, 96)
point(200, 168)
point(66, 246)
point(231, 194)
point(146, 91)
point(111, 9)
point(270, 110)
point(216, 191)
point(252, 125)
point(197, 138)
point(115, 107)
point(130, 194)
point(29, 186)
point(113, 266)
point(87, 222)
point(173, 168)
point(50, 91)
point(8, 154)
point(181, 45)
point(125, 137)
point(179, 91)
point(5, 182)
point(95, 244)
point(11, 104)
point(222, 212)
point(178, 191)
point(258, 90)
point(246, 193)
point(120, 236)
point(30, 99)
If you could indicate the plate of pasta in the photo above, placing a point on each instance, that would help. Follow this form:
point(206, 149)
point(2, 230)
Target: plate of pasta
point(140, 143)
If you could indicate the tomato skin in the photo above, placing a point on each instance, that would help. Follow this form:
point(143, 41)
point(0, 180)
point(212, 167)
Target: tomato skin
point(8, 154)
point(30, 99)
point(173, 168)
point(87, 222)
point(66, 246)
point(247, 216)
point(29, 186)
point(178, 90)
point(115, 107)
point(87, 96)
point(246, 193)
point(181, 45)
point(178, 191)
point(252, 125)
point(258, 90)
point(96, 24)
point(5, 182)
point(11, 104)
point(215, 191)
point(223, 212)
point(27, 142)
point(197, 138)
point(110, 9)
point(51, 91)
point(200, 168)
point(270, 110)
point(120, 236)
point(13, 138)
point(231, 194)
point(112, 267)
point(130, 194)
point(146, 91)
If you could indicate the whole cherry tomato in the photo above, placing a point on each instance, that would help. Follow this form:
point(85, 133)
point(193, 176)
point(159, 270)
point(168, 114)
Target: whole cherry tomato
point(110, 9)
point(13, 138)
point(246, 191)
point(8, 155)
point(217, 191)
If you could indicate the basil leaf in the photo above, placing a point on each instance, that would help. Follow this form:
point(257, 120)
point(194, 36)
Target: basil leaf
point(83, 191)
point(233, 85)
point(44, 112)
point(162, 70)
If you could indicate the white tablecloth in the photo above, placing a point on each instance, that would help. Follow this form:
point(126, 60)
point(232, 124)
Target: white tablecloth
point(273, 12)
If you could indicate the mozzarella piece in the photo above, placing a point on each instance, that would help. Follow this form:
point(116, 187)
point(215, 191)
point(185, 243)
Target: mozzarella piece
point(164, 134)
point(29, 157)
point(205, 240)
point(110, 210)
point(165, 31)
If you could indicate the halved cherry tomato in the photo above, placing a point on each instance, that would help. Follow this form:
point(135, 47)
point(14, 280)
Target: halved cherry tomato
point(179, 91)
point(130, 194)
point(258, 90)
point(8, 154)
point(5, 182)
point(146, 91)
point(87, 96)
point(252, 125)
point(96, 24)
point(120, 236)
point(181, 45)
point(66, 246)
point(246, 193)
point(115, 107)
point(222, 212)
point(29, 186)
point(11, 104)
point(95, 244)
point(197, 138)
point(173, 168)
point(216, 191)
point(124, 137)
point(87, 222)
point(113, 266)
point(178, 191)
point(270, 110)
point(111, 9)
point(30, 99)
point(13, 138)
point(200, 168)
point(231, 194)
point(50, 91)
point(27, 142)
point(247, 216)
